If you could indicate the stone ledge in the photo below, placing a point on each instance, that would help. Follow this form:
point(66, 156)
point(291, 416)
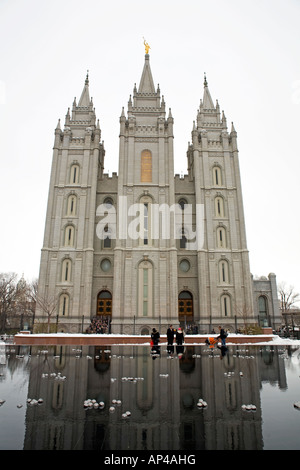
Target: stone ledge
point(95, 340)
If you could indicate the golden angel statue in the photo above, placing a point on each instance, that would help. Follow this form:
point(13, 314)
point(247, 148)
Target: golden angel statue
point(147, 47)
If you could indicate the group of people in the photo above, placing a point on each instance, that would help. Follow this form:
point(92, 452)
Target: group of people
point(98, 326)
point(172, 334)
point(177, 335)
point(212, 341)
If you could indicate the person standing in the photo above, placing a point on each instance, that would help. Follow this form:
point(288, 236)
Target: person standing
point(170, 335)
point(222, 336)
point(179, 336)
point(155, 336)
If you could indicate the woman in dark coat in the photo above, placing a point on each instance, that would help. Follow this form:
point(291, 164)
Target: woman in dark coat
point(155, 337)
point(179, 336)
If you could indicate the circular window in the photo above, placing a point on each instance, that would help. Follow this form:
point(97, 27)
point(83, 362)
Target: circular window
point(105, 265)
point(184, 265)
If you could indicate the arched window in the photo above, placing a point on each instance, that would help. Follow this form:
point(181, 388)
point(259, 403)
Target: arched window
point(182, 203)
point(107, 237)
point(221, 237)
point(183, 240)
point(146, 166)
point(219, 206)
point(74, 174)
point(217, 176)
point(69, 236)
point(225, 305)
point(108, 202)
point(263, 310)
point(145, 292)
point(63, 305)
point(223, 272)
point(144, 227)
point(72, 205)
point(66, 270)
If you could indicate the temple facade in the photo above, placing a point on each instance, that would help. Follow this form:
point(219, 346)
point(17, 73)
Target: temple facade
point(144, 247)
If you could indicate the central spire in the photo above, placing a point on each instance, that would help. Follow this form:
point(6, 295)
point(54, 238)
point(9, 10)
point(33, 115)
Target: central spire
point(146, 83)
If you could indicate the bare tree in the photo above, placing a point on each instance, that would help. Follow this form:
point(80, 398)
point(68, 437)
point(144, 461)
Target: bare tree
point(11, 291)
point(16, 298)
point(287, 296)
point(246, 315)
point(48, 304)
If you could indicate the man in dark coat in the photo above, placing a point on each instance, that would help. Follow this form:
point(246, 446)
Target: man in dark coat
point(170, 335)
point(222, 336)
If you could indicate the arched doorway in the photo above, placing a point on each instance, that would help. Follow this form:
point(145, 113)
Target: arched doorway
point(104, 307)
point(185, 310)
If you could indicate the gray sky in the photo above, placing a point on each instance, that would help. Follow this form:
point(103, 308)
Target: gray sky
point(249, 51)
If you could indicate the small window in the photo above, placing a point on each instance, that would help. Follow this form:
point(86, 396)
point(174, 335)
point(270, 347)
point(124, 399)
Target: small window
point(146, 224)
point(108, 202)
point(182, 203)
point(221, 237)
point(219, 206)
point(225, 305)
point(74, 176)
point(63, 305)
point(183, 240)
point(184, 265)
point(107, 237)
point(69, 236)
point(145, 221)
point(223, 272)
point(66, 270)
point(71, 205)
point(217, 176)
point(105, 265)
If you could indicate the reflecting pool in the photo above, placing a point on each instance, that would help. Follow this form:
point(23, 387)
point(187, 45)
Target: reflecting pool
point(132, 398)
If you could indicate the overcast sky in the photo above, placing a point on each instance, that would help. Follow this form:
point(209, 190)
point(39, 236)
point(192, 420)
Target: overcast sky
point(249, 51)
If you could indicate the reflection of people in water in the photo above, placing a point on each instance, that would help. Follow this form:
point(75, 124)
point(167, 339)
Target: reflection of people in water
point(223, 350)
point(155, 351)
point(211, 342)
point(179, 350)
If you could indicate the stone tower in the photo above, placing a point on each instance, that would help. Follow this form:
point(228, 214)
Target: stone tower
point(66, 269)
point(145, 264)
point(223, 284)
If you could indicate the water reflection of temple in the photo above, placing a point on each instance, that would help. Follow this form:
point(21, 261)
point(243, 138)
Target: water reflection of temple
point(161, 393)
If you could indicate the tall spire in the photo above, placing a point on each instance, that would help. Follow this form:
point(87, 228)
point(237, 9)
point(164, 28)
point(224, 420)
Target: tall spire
point(207, 100)
point(85, 95)
point(146, 83)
